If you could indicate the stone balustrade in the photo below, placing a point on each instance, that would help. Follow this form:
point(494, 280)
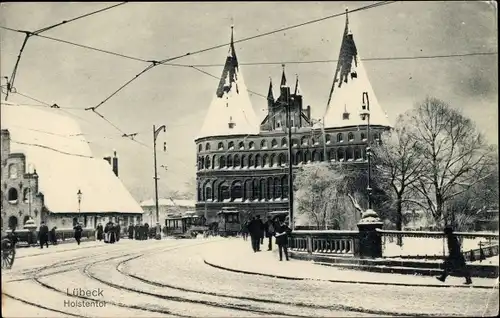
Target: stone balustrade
point(325, 242)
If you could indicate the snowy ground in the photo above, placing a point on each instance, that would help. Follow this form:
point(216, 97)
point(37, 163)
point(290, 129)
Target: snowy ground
point(414, 246)
point(169, 278)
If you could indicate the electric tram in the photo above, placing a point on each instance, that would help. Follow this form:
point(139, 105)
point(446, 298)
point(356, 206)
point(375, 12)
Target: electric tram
point(187, 225)
point(228, 222)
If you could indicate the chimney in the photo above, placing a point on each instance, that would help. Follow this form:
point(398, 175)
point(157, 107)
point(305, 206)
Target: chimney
point(308, 112)
point(115, 164)
point(5, 145)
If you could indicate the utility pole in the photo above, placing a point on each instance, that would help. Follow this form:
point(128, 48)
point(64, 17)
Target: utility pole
point(290, 166)
point(155, 135)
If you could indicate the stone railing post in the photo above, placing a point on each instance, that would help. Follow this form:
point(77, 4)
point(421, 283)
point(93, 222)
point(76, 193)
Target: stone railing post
point(370, 242)
point(309, 244)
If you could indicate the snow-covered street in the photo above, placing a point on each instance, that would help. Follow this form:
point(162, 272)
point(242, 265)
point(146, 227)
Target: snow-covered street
point(170, 278)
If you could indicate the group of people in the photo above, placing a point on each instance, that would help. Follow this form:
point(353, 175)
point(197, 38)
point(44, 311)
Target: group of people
point(138, 231)
point(272, 228)
point(45, 236)
point(110, 232)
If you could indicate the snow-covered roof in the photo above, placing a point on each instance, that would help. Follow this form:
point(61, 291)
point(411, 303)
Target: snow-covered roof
point(168, 202)
point(231, 112)
point(53, 144)
point(350, 82)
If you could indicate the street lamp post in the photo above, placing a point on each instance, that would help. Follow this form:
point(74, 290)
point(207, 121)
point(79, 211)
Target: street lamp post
point(365, 114)
point(79, 196)
point(155, 135)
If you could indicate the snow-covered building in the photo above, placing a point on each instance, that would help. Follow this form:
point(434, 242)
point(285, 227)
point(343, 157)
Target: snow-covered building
point(242, 162)
point(166, 206)
point(46, 162)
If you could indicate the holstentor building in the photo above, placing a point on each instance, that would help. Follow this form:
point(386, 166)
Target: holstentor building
point(242, 162)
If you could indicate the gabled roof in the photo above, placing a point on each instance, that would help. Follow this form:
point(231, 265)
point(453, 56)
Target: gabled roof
point(350, 82)
point(53, 145)
point(231, 112)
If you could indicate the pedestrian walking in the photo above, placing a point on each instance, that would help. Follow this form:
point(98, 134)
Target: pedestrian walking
point(282, 233)
point(53, 235)
point(262, 230)
point(43, 235)
point(78, 232)
point(146, 231)
point(107, 232)
point(112, 232)
point(118, 231)
point(137, 230)
point(270, 231)
point(244, 230)
point(455, 262)
point(100, 232)
point(131, 232)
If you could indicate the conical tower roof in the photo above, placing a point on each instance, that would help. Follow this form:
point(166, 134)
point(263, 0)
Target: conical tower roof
point(350, 82)
point(231, 112)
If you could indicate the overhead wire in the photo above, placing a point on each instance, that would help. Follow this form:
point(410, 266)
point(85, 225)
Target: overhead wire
point(28, 34)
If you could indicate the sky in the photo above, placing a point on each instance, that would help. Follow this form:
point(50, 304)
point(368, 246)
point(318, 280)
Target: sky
point(179, 97)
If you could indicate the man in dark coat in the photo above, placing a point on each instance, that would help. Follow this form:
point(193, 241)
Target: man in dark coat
point(53, 236)
point(43, 234)
point(270, 230)
point(118, 231)
point(256, 230)
point(78, 232)
point(262, 230)
point(137, 230)
point(107, 232)
point(100, 232)
point(112, 232)
point(146, 231)
point(282, 233)
point(131, 232)
point(244, 230)
point(455, 262)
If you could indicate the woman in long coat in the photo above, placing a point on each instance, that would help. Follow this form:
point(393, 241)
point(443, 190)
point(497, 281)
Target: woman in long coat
point(112, 233)
point(99, 232)
point(78, 232)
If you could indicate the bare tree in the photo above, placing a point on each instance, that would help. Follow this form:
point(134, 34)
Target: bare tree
point(320, 196)
point(454, 154)
point(398, 163)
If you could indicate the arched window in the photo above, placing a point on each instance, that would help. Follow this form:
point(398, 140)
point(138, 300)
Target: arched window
point(264, 160)
point(26, 218)
point(274, 143)
point(207, 146)
point(255, 189)
point(199, 147)
point(350, 136)
point(277, 188)
point(327, 138)
point(349, 154)
point(208, 193)
point(250, 161)
point(251, 145)
point(272, 159)
point(220, 146)
point(213, 161)
point(26, 195)
point(340, 154)
point(316, 155)
point(258, 161)
point(207, 162)
point(236, 162)
point(222, 162)
point(376, 136)
point(357, 154)
point(313, 141)
point(12, 195)
point(243, 158)
point(223, 191)
point(229, 161)
point(262, 192)
point(299, 157)
point(236, 190)
point(283, 142)
point(13, 173)
point(281, 159)
point(284, 186)
point(307, 156)
point(242, 145)
point(199, 194)
point(270, 188)
point(214, 190)
point(303, 141)
point(230, 146)
point(295, 142)
point(202, 162)
point(321, 156)
point(263, 144)
point(332, 154)
point(13, 222)
point(340, 137)
point(363, 136)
